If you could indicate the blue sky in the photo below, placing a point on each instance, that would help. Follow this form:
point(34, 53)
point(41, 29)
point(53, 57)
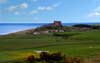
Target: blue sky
point(45, 11)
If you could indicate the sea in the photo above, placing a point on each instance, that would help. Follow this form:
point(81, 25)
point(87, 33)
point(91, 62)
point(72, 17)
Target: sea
point(6, 28)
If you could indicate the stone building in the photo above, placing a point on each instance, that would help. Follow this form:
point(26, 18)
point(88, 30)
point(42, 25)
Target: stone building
point(57, 23)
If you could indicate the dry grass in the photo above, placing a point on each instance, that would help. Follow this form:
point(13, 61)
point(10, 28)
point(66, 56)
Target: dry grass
point(95, 59)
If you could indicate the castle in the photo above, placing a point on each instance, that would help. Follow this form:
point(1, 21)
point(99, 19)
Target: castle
point(57, 23)
point(49, 28)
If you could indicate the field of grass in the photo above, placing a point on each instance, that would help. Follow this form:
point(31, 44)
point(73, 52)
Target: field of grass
point(82, 44)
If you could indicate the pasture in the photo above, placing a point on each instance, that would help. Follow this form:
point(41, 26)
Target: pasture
point(81, 44)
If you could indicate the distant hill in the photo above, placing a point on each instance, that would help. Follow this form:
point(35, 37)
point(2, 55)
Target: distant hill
point(57, 26)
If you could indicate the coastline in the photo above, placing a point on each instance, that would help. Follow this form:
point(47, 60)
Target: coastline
point(18, 32)
point(8, 28)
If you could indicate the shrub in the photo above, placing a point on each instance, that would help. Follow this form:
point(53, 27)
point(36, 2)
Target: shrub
point(44, 56)
point(31, 59)
point(56, 56)
point(82, 25)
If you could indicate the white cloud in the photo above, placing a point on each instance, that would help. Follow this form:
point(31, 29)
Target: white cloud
point(51, 7)
point(97, 9)
point(12, 8)
point(98, 13)
point(17, 7)
point(16, 13)
point(3, 1)
point(95, 13)
point(23, 6)
point(34, 0)
point(56, 4)
point(41, 8)
point(44, 8)
point(34, 12)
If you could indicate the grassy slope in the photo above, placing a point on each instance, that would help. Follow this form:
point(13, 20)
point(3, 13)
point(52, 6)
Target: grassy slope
point(19, 46)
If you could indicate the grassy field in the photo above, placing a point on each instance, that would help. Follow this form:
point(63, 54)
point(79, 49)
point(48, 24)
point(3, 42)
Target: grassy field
point(82, 44)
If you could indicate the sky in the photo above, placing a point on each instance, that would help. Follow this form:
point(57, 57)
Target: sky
point(46, 11)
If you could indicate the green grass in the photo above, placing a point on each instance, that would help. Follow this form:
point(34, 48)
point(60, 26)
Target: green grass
point(83, 44)
point(95, 36)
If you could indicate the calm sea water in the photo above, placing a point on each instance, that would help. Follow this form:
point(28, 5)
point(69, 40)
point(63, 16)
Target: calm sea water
point(6, 28)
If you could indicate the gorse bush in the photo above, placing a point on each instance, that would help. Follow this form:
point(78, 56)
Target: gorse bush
point(45, 57)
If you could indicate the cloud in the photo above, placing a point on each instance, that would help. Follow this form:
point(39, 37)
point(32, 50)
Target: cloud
point(44, 8)
point(95, 13)
point(34, 12)
point(23, 6)
point(12, 8)
point(3, 1)
point(16, 13)
point(40, 9)
point(48, 8)
point(34, 0)
point(97, 9)
point(15, 9)
point(56, 4)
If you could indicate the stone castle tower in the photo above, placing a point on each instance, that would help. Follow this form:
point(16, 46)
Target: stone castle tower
point(57, 23)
